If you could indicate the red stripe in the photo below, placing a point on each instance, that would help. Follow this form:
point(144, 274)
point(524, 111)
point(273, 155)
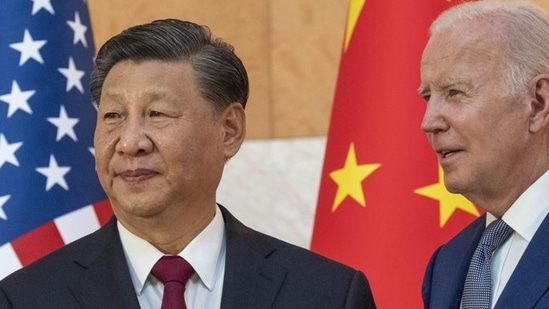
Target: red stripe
point(103, 210)
point(37, 243)
point(46, 238)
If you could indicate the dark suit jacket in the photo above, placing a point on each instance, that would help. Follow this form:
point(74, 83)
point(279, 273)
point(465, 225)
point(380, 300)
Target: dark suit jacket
point(528, 286)
point(260, 272)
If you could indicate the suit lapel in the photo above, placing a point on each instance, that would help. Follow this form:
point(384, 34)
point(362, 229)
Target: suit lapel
point(451, 266)
point(530, 279)
point(251, 280)
point(102, 279)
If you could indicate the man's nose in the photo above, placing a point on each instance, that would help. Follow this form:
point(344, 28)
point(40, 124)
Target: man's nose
point(134, 139)
point(434, 119)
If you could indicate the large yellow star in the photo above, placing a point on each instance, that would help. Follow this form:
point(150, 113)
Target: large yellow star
point(349, 179)
point(449, 202)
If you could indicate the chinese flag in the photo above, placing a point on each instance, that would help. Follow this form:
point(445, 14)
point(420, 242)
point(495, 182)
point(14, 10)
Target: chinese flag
point(382, 206)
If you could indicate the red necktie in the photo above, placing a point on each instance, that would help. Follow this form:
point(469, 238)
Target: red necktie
point(173, 272)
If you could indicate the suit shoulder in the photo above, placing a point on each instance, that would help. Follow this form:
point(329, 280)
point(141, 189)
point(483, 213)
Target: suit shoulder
point(57, 261)
point(310, 275)
point(304, 258)
point(277, 250)
point(298, 261)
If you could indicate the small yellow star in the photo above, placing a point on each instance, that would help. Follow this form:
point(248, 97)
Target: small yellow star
point(349, 179)
point(449, 202)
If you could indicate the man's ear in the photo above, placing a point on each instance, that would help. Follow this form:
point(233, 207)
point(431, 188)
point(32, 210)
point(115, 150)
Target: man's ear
point(234, 119)
point(539, 116)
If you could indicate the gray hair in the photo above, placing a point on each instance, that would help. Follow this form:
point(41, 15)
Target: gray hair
point(521, 27)
point(220, 75)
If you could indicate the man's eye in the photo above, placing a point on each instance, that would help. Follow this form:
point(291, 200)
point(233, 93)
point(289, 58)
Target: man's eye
point(453, 92)
point(111, 115)
point(155, 114)
point(426, 97)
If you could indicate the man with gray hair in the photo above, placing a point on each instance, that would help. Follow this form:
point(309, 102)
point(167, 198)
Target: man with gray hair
point(485, 78)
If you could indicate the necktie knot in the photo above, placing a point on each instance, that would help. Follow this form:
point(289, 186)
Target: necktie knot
point(173, 272)
point(495, 234)
point(172, 268)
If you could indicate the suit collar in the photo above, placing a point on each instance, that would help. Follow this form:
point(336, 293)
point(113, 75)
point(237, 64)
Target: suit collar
point(451, 264)
point(529, 280)
point(251, 280)
point(102, 279)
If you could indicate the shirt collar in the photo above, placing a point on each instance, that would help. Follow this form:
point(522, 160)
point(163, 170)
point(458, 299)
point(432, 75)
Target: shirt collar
point(203, 253)
point(528, 212)
point(205, 250)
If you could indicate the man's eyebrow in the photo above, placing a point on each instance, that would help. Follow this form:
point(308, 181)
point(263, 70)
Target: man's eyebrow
point(422, 90)
point(444, 84)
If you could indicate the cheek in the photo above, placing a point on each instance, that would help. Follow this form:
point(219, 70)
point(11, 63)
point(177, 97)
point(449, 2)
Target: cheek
point(508, 129)
point(197, 153)
point(497, 144)
point(104, 150)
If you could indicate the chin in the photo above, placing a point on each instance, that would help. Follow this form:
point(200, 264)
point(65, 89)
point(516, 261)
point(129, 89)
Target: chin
point(139, 209)
point(454, 185)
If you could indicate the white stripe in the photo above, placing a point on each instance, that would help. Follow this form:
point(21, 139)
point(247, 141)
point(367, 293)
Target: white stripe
point(77, 224)
point(9, 260)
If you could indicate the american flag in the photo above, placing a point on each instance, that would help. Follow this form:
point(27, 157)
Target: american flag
point(49, 191)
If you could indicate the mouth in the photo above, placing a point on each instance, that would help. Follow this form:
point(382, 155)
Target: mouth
point(446, 153)
point(136, 176)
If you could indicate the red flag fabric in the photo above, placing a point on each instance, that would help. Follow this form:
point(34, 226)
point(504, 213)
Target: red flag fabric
point(382, 206)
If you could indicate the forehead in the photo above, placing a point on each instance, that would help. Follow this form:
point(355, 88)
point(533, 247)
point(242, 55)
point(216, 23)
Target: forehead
point(457, 54)
point(150, 70)
point(130, 78)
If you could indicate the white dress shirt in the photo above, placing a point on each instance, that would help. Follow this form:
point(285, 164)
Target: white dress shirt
point(524, 217)
point(206, 254)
